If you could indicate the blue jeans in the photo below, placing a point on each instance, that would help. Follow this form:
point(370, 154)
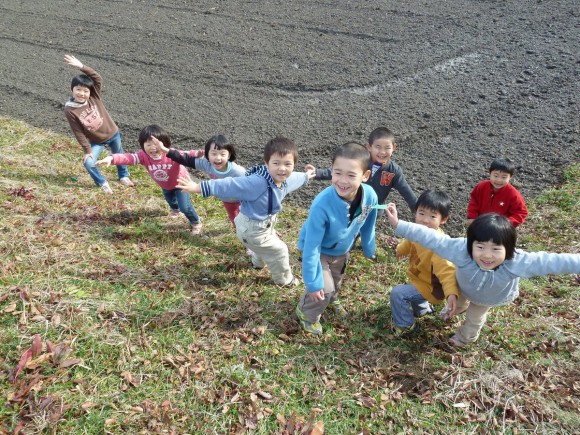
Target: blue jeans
point(116, 147)
point(180, 200)
point(406, 304)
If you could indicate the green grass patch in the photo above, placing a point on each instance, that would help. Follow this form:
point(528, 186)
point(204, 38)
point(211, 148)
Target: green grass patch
point(144, 328)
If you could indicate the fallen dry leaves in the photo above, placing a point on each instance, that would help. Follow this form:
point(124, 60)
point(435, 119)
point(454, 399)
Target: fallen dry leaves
point(25, 394)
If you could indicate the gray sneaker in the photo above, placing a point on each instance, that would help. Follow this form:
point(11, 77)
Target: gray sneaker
point(106, 188)
point(126, 181)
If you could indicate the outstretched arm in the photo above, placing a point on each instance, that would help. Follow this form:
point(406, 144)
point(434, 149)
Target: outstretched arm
point(188, 185)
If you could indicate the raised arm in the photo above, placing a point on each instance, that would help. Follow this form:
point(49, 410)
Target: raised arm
point(73, 61)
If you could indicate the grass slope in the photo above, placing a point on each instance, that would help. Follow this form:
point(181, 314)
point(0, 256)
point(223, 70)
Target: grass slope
point(122, 321)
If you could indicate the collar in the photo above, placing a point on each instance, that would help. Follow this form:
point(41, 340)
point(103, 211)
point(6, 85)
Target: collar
point(73, 103)
point(262, 171)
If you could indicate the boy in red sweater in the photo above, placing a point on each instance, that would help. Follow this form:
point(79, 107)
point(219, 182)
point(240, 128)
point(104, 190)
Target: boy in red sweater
point(497, 195)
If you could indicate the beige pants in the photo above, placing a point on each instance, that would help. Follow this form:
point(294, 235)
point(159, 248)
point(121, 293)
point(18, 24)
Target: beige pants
point(475, 318)
point(333, 269)
point(269, 250)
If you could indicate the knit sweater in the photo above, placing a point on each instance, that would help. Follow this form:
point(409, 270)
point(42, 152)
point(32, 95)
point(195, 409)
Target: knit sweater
point(329, 230)
point(488, 287)
point(431, 275)
point(506, 201)
point(90, 122)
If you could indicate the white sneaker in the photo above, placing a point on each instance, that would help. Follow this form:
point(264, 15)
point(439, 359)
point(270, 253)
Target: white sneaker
point(125, 181)
point(106, 188)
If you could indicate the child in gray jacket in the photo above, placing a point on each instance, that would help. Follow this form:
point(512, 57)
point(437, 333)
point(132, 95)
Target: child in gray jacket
point(488, 265)
point(260, 193)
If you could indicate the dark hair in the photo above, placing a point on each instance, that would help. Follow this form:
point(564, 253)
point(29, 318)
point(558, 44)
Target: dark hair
point(435, 200)
point(503, 165)
point(494, 227)
point(280, 145)
point(155, 131)
point(221, 143)
point(381, 133)
point(354, 151)
point(82, 80)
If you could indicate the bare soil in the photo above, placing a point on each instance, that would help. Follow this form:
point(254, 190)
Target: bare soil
point(460, 82)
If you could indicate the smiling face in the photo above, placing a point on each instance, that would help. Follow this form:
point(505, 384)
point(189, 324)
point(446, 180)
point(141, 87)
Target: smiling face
point(381, 150)
point(280, 167)
point(429, 218)
point(488, 255)
point(347, 176)
point(218, 158)
point(81, 94)
point(499, 179)
point(151, 149)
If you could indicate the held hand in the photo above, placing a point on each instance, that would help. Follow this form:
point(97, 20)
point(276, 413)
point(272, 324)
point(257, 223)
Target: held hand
point(199, 154)
point(392, 215)
point(73, 61)
point(310, 171)
point(87, 156)
point(106, 161)
point(188, 185)
point(159, 145)
point(451, 306)
point(316, 296)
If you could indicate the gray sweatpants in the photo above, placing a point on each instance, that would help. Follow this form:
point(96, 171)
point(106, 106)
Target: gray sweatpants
point(333, 269)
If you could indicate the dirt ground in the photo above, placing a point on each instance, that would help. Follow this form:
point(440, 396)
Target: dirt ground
point(460, 82)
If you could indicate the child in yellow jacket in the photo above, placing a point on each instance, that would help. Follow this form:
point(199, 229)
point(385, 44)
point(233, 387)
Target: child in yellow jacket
point(432, 278)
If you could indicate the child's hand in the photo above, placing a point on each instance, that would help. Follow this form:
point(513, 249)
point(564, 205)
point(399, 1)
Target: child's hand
point(451, 307)
point(73, 61)
point(188, 185)
point(309, 168)
point(199, 154)
point(87, 156)
point(311, 173)
point(159, 145)
point(316, 296)
point(106, 161)
point(392, 215)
